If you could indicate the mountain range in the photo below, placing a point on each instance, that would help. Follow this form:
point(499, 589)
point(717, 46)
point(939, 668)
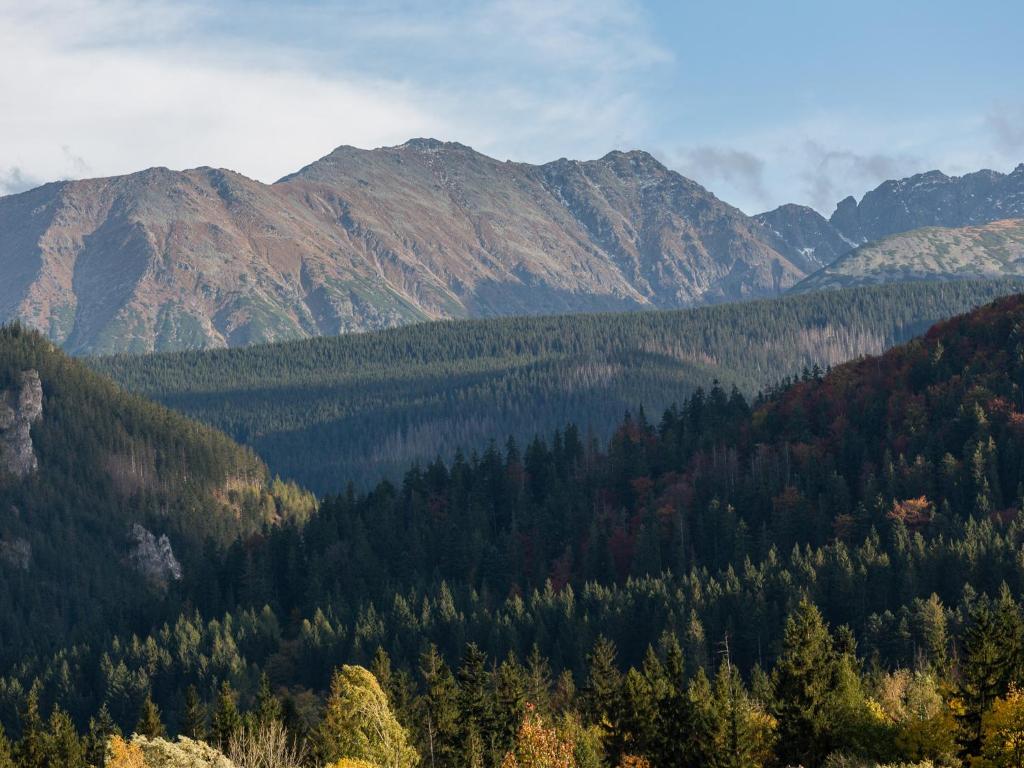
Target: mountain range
point(365, 239)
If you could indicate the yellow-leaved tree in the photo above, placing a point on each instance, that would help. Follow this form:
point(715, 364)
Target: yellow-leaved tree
point(358, 724)
point(1002, 733)
point(539, 746)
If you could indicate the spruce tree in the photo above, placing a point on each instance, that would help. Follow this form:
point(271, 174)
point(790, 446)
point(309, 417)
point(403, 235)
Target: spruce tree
point(538, 682)
point(150, 725)
point(226, 720)
point(674, 713)
point(63, 746)
point(439, 711)
point(31, 749)
point(193, 719)
point(268, 706)
point(804, 676)
point(476, 704)
point(509, 701)
point(101, 729)
point(604, 691)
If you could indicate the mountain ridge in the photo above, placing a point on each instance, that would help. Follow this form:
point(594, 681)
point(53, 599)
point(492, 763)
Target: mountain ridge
point(360, 239)
point(363, 239)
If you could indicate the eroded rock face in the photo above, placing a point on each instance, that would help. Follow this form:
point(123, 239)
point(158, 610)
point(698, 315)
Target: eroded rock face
point(20, 407)
point(153, 556)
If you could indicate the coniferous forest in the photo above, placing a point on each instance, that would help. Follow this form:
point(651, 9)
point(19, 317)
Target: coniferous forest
point(828, 573)
point(365, 407)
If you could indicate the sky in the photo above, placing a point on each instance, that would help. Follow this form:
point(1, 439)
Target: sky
point(763, 103)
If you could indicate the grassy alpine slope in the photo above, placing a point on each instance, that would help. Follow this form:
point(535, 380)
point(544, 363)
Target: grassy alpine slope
point(359, 407)
point(989, 251)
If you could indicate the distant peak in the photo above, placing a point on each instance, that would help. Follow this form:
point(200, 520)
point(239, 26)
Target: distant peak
point(430, 145)
point(632, 154)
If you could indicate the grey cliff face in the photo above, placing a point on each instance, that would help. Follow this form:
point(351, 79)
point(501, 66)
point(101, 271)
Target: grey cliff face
point(20, 407)
point(153, 557)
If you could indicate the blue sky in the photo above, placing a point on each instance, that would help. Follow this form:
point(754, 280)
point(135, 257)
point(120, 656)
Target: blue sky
point(763, 103)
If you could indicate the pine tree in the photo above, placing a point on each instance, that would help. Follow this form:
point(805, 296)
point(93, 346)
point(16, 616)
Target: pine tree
point(983, 670)
point(699, 744)
point(150, 725)
point(674, 713)
point(101, 729)
point(268, 706)
point(538, 682)
point(743, 737)
point(226, 721)
point(476, 704)
point(64, 747)
point(604, 692)
point(193, 720)
point(31, 749)
point(439, 711)
point(509, 701)
point(804, 676)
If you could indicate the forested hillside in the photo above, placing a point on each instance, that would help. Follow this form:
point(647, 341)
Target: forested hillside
point(105, 497)
point(829, 575)
point(361, 407)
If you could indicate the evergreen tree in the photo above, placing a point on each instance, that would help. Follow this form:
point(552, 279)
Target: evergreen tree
point(476, 705)
point(439, 713)
point(101, 729)
point(150, 725)
point(804, 676)
point(509, 701)
point(538, 682)
point(226, 720)
point(31, 750)
point(983, 670)
point(604, 692)
point(268, 706)
point(64, 747)
point(193, 720)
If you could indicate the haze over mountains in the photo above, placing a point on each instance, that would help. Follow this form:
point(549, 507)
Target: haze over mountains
point(364, 239)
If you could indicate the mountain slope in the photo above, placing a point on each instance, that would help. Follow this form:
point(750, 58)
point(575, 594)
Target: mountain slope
point(364, 406)
point(807, 232)
point(933, 253)
point(91, 481)
point(369, 239)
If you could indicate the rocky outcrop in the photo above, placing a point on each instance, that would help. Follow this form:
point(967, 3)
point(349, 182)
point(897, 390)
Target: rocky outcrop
point(20, 407)
point(152, 556)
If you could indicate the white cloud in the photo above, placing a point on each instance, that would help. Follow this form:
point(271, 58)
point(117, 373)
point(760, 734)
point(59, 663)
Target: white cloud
point(118, 108)
point(111, 86)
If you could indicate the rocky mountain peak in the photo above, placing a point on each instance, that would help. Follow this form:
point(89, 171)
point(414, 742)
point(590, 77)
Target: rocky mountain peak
point(431, 145)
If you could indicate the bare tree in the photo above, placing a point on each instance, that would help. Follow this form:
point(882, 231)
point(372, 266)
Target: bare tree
point(265, 746)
